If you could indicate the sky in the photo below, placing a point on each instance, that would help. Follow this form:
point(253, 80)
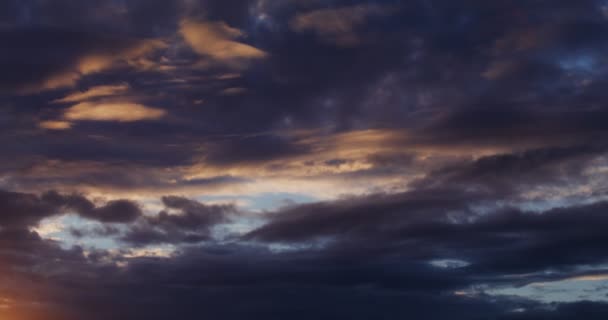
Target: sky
point(303, 159)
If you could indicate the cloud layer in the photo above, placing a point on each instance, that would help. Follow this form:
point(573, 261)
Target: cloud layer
point(303, 159)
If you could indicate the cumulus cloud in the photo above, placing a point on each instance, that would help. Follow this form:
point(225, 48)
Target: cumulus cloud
point(21, 210)
point(183, 220)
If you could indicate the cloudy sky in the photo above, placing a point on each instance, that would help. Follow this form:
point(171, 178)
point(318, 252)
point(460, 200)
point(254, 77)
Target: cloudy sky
point(303, 159)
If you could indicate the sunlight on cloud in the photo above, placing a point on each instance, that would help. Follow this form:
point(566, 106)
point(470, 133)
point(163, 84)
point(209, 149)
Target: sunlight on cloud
point(113, 111)
point(344, 159)
point(61, 80)
point(95, 92)
point(216, 40)
point(155, 251)
point(100, 61)
point(55, 125)
point(50, 228)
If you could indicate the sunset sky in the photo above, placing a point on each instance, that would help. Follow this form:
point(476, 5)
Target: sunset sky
point(303, 159)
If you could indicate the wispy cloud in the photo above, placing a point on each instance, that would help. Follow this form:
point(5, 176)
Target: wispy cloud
point(95, 92)
point(112, 111)
point(338, 25)
point(219, 42)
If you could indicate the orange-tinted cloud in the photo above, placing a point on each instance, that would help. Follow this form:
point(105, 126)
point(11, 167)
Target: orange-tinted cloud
point(97, 61)
point(113, 111)
point(95, 92)
point(338, 26)
point(55, 125)
point(218, 41)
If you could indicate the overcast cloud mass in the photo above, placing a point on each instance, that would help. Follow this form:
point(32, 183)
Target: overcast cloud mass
point(303, 159)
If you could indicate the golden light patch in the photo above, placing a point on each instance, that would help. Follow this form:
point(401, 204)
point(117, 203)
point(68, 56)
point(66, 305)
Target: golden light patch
point(113, 111)
point(55, 125)
point(216, 40)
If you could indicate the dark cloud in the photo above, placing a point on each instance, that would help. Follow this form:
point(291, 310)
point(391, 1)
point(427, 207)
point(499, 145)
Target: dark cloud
point(354, 277)
point(355, 216)
point(588, 310)
point(507, 175)
point(254, 149)
point(191, 223)
point(26, 210)
point(425, 227)
point(115, 211)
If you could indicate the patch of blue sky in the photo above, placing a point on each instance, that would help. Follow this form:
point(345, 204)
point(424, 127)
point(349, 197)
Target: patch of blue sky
point(267, 201)
point(238, 226)
point(60, 229)
point(257, 203)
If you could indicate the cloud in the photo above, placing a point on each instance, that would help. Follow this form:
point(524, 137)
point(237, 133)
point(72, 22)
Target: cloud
point(233, 91)
point(98, 62)
point(71, 55)
point(55, 125)
point(217, 41)
point(114, 211)
point(102, 103)
point(183, 220)
point(112, 111)
point(518, 172)
point(338, 25)
point(95, 92)
point(253, 149)
point(425, 225)
point(23, 210)
point(351, 217)
point(444, 140)
point(117, 211)
point(395, 236)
